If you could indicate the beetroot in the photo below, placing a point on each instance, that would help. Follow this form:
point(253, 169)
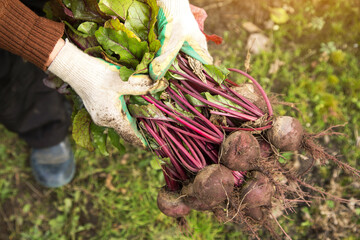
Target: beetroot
point(256, 195)
point(265, 148)
point(188, 190)
point(170, 203)
point(192, 201)
point(213, 184)
point(196, 204)
point(286, 133)
point(240, 151)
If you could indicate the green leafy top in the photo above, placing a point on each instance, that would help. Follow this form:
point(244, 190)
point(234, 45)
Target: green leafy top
point(125, 30)
point(115, 8)
point(123, 33)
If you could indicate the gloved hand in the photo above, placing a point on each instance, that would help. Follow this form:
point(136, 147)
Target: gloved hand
point(98, 84)
point(178, 30)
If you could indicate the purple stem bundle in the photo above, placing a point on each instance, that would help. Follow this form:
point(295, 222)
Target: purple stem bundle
point(191, 143)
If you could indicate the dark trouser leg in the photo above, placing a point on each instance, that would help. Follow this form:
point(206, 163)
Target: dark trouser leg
point(29, 108)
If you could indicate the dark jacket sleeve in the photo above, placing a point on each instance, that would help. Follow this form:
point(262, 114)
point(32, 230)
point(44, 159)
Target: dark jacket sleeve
point(24, 33)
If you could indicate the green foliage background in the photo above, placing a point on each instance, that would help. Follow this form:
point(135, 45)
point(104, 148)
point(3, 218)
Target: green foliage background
point(114, 197)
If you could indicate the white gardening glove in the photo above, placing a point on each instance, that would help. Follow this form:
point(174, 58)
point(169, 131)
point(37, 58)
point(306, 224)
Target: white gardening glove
point(178, 30)
point(98, 84)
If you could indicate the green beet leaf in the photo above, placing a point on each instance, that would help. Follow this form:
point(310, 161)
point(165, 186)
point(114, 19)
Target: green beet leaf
point(194, 101)
point(130, 50)
point(67, 3)
point(116, 141)
point(219, 74)
point(155, 163)
point(175, 67)
point(137, 100)
point(224, 70)
point(75, 31)
point(117, 26)
point(143, 66)
point(53, 10)
point(125, 73)
point(85, 10)
point(117, 8)
point(151, 143)
point(138, 19)
point(178, 109)
point(154, 43)
point(81, 39)
point(99, 137)
point(220, 100)
point(97, 51)
point(81, 130)
point(145, 111)
point(77, 102)
point(88, 28)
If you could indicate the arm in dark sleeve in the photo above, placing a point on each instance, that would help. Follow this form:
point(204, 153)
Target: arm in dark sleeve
point(24, 33)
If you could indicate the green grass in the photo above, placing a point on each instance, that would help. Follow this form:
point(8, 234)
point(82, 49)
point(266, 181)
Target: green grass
point(115, 197)
point(110, 198)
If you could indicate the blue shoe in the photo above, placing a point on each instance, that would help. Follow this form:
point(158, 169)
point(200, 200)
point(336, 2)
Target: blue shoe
point(53, 166)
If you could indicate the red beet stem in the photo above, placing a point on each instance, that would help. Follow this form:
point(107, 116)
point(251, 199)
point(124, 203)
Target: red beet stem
point(185, 132)
point(245, 100)
point(193, 144)
point(202, 133)
point(222, 114)
point(217, 91)
point(238, 114)
point(245, 129)
point(268, 104)
point(193, 150)
point(202, 117)
point(221, 91)
point(164, 146)
point(188, 119)
point(169, 173)
point(179, 146)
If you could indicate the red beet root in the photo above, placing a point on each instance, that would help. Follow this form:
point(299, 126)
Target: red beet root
point(192, 201)
point(196, 204)
point(286, 133)
point(265, 149)
point(171, 204)
point(257, 194)
point(213, 184)
point(240, 151)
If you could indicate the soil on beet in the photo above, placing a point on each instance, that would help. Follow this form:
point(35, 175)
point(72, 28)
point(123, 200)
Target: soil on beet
point(171, 204)
point(213, 184)
point(240, 151)
point(286, 134)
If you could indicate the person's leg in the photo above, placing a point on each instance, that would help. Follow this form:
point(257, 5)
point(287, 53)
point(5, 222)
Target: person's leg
point(38, 114)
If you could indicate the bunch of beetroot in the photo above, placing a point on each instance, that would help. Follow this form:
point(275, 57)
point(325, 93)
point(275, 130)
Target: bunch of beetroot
point(221, 145)
point(219, 142)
